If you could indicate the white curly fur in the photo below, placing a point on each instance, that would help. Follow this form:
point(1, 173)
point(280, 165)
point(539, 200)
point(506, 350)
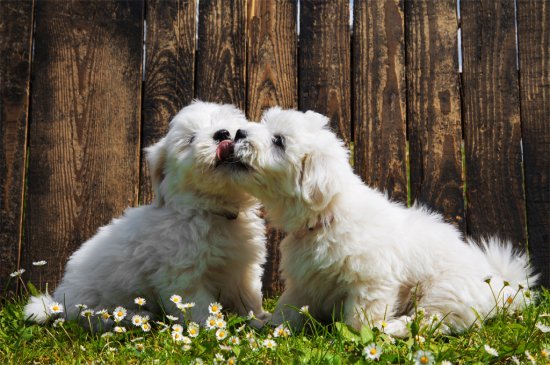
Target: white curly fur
point(185, 243)
point(350, 250)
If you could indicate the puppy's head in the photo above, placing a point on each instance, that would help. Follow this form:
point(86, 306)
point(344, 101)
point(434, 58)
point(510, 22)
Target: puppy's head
point(293, 162)
point(187, 165)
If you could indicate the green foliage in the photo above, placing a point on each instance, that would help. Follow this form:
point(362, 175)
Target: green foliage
point(513, 335)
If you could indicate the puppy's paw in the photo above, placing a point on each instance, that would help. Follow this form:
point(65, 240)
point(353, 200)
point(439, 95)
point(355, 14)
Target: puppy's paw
point(264, 316)
point(395, 327)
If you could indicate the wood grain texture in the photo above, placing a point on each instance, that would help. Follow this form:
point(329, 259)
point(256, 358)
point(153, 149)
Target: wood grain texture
point(169, 72)
point(221, 52)
point(491, 121)
point(324, 62)
point(379, 96)
point(272, 80)
point(16, 19)
point(433, 107)
point(534, 57)
point(85, 126)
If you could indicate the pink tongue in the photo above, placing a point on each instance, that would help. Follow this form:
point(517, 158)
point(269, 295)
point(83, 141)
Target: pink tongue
point(225, 149)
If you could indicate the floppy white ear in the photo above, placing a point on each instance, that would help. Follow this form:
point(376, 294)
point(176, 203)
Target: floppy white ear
point(156, 157)
point(318, 120)
point(270, 113)
point(318, 185)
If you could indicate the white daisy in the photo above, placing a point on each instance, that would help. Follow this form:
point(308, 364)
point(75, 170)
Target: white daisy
point(81, 306)
point(175, 299)
point(103, 314)
point(220, 323)
point(232, 360)
point(140, 347)
point(304, 309)
point(269, 344)
point(140, 301)
point(193, 329)
point(186, 340)
point(215, 308)
point(137, 320)
point(241, 328)
point(39, 263)
point(515, 360)
point(107, 334)
point(251, 315)
point(234, 340)
point(119, 313)
point(545, 353)
point(372, 351)
point(119, 329)
point(56, 308)
point(197, 361)
point(530, 357)
point(221, 334)
point(185, 306)
point(177, 336)
point(87, 313)
point(171, 318)
point(446, 362)
point(491, 351)
point(177, 328)
point(423, 358)
point(186, 347)
point(211, 322)
point(281, 331)
point(17, 273)
point(58, 322)
point(146, 327)
point(218, 358)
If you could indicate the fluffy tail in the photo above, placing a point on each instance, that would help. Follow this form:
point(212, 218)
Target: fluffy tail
point(38, 309)
point(509, 264)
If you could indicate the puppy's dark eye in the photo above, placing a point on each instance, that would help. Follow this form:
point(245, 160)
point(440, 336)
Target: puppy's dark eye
point(191, 139)
point(279, 141)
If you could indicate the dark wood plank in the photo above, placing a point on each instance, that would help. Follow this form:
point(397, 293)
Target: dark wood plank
point(324, 62)
point(85, 125)
point(433, 107)
point(534, 57)
point(169, 72)
point(221, 52)
point(379, 96)
point(271, 72)
point(16, 19)
point(491, 121)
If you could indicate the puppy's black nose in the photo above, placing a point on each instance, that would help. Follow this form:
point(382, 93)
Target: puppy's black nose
point(221, 135)
point(241, 134)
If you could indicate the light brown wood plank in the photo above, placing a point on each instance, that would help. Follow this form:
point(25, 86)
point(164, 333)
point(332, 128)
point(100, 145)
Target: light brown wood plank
point(85, 126)
point(534, 71)
point(492, 130)
point(16, 19)
point(433, 107)
point(324, 62)
point(169, 72)
point(379, 96)
point(272, 80)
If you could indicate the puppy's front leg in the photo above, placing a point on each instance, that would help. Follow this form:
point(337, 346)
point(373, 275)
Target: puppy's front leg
point(287, 309)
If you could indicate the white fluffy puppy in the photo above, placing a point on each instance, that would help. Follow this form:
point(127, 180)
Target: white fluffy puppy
point(200, 239)
point(352, 251)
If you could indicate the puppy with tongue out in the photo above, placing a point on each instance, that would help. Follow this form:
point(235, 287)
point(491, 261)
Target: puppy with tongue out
point(200, 239)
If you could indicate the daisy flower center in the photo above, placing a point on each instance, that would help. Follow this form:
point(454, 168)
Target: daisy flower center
point(373, 351)
point(424, 360)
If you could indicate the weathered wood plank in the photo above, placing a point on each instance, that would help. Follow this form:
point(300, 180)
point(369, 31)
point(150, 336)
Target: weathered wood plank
point(85, 125)
point(433, 107)
point(324, 62)
point(272, 80)
point(380, 96)
point(16, 19)
point(169, 72)
point(221, 52)
point(491, 121)
point(534, 57)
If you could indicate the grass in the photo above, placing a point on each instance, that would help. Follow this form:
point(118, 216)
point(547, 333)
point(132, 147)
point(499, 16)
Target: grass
point(514, 335)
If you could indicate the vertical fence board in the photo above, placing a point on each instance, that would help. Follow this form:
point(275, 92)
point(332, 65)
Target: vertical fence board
point(324, 62)
point(534, 56)
point(221, 52)
point(271, 73)
point(85, 125)
point(380, 96)
point(491, 121)
point(16, 20)
point(169, 72)
point(433, 107)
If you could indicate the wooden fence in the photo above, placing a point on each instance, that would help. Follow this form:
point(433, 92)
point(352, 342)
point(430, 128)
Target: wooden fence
point(85, 85)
